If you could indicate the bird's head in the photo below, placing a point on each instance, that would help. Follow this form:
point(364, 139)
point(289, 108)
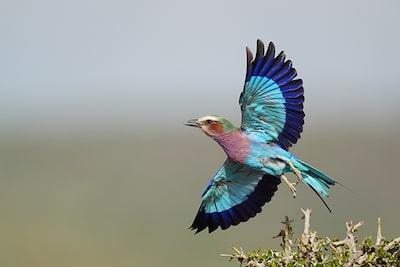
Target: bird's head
point(212, 125)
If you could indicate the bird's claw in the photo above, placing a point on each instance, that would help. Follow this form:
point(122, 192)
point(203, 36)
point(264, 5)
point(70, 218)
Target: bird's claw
point(290, 185)
point(292, 189)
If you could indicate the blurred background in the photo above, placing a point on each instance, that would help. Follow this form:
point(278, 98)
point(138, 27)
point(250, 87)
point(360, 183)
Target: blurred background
point(96, 166)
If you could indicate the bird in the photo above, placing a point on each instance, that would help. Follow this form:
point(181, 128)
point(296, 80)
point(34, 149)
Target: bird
point(257, 151)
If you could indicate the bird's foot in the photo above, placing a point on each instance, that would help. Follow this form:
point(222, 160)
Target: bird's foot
point(296, 171)
point(290, 185)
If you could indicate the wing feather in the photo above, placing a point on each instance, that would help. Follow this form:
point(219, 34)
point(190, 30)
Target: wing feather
point(272, 99)
point(234, 195)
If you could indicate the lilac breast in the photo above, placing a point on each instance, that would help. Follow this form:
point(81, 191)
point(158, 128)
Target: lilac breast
point(235, 144)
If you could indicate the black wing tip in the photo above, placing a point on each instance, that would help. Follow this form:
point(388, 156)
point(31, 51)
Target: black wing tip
point(260, 43)
point(249, 55)
point(260, 48)
point(260, 51)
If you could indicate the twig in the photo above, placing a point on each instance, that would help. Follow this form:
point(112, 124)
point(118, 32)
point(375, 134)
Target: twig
point(287, 238)
point(239, 254)
point(306, 216)
point(351, 243)
point(379, 232)
point(391, 244)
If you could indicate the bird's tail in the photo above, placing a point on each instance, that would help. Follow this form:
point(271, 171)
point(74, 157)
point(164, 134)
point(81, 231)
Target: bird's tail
point(317, 180)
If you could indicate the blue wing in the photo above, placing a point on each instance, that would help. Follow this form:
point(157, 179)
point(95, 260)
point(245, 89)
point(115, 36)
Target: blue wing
point(234, 195)
point(272, 100)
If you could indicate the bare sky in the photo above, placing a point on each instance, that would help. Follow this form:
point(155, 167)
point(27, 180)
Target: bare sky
point(69, 65)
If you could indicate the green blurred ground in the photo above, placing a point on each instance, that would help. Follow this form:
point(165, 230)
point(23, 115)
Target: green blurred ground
point(128, 201)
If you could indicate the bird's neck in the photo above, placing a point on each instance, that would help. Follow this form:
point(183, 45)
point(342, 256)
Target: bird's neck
point(235, 144)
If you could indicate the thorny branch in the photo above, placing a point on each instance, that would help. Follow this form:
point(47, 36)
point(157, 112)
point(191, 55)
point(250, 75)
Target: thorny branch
point(356, 256)
point(312, 249)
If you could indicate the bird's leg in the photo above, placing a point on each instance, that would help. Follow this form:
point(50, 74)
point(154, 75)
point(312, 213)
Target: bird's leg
point(296, 171)
point(289, 184)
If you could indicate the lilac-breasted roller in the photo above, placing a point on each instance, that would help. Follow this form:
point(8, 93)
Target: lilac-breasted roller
point(272, 120)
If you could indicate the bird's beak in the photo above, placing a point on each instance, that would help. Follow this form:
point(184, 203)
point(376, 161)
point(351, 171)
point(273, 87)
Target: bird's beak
point(193, 123)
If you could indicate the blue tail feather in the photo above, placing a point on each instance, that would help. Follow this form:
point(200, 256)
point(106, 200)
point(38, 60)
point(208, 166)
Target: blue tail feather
point(315, 172)
point(318, 180)
point(318, 184)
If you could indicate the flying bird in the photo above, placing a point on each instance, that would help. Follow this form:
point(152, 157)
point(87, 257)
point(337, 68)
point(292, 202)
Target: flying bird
point(271, 104)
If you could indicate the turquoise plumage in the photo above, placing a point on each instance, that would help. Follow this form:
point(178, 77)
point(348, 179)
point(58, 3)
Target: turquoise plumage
point(272, 120)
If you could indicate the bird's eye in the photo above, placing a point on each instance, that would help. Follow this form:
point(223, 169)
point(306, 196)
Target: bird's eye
point(209, 121)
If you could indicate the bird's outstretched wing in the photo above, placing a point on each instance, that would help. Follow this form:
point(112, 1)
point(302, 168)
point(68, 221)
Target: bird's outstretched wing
point(272, 100)
point(234, 195)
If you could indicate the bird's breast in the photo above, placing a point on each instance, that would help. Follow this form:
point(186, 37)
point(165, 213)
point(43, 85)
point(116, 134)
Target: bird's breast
point(235, 145)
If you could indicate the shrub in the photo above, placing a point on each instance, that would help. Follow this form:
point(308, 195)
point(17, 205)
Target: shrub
point(312, 250)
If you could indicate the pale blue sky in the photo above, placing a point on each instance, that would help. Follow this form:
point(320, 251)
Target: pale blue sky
point(68, 65)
